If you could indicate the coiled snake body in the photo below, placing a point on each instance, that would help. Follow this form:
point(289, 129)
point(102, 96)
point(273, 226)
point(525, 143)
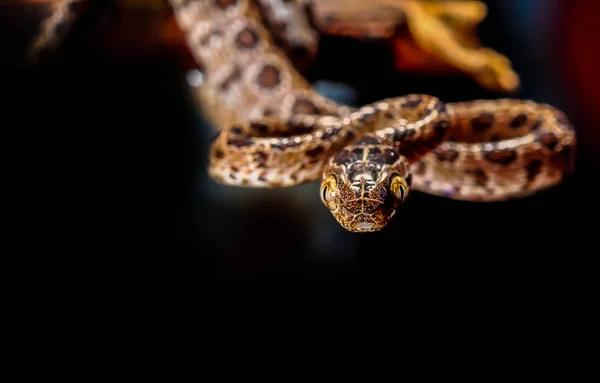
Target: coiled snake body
point(277, 131)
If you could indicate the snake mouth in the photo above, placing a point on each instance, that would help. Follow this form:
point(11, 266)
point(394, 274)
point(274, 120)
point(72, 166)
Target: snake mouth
point(364, 223)
point(365, 227)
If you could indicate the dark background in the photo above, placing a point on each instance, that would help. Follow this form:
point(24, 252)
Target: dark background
point(116, 152)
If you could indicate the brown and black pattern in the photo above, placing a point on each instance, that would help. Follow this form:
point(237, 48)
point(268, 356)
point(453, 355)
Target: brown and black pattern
point(238, 130)
point(519, 121)
point(260, 158)
point(259, 128)
point(533, 169)
point(482, 123)
point(213, 33)
point(280, 145)
point(361, 152)
point(240, 142)
point(314, 152)
point(269, 76)
point(234, 76)
point(411, 104)
point(247, 38)
point(224, 4)
point(440, 130)
point(346, 157)
point(445, 155)
point(413, 146)
point(562, 119)
point(548, 140)
point(480, 177)
point(441, 107)
point(304, 106)
point(501, 156)
point(381, 155)
point(536, 125)
point(219, 153)
point(289, 24)
point(331, 132)
point(368, 140)
point(402, 134)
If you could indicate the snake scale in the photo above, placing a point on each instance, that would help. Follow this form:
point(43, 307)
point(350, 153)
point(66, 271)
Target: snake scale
point(275, 130)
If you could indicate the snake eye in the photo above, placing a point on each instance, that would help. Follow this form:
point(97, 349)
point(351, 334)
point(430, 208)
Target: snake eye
point(328, 192)
point(398, 189)
point(324, 193)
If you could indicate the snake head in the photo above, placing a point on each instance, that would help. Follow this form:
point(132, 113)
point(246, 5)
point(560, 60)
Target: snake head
point(364, 195)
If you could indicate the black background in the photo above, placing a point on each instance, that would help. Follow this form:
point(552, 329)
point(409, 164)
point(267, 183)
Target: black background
point(115, 152)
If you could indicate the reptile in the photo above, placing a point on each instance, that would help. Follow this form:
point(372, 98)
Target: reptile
point(276, 130)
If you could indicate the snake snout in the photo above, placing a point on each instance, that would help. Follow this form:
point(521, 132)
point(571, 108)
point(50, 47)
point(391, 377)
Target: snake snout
point(364, 223)
point(364, 226)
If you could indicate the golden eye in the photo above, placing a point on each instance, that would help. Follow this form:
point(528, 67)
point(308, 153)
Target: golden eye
point(328, 187)
point(398, 189)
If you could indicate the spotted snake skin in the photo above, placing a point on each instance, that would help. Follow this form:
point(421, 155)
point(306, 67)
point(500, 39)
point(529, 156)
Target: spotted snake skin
point(277, 131)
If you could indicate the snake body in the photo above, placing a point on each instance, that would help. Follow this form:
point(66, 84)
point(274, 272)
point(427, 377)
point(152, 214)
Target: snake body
point(277, 131)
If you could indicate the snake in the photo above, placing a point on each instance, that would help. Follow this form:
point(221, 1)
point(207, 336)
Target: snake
point(276, 130)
